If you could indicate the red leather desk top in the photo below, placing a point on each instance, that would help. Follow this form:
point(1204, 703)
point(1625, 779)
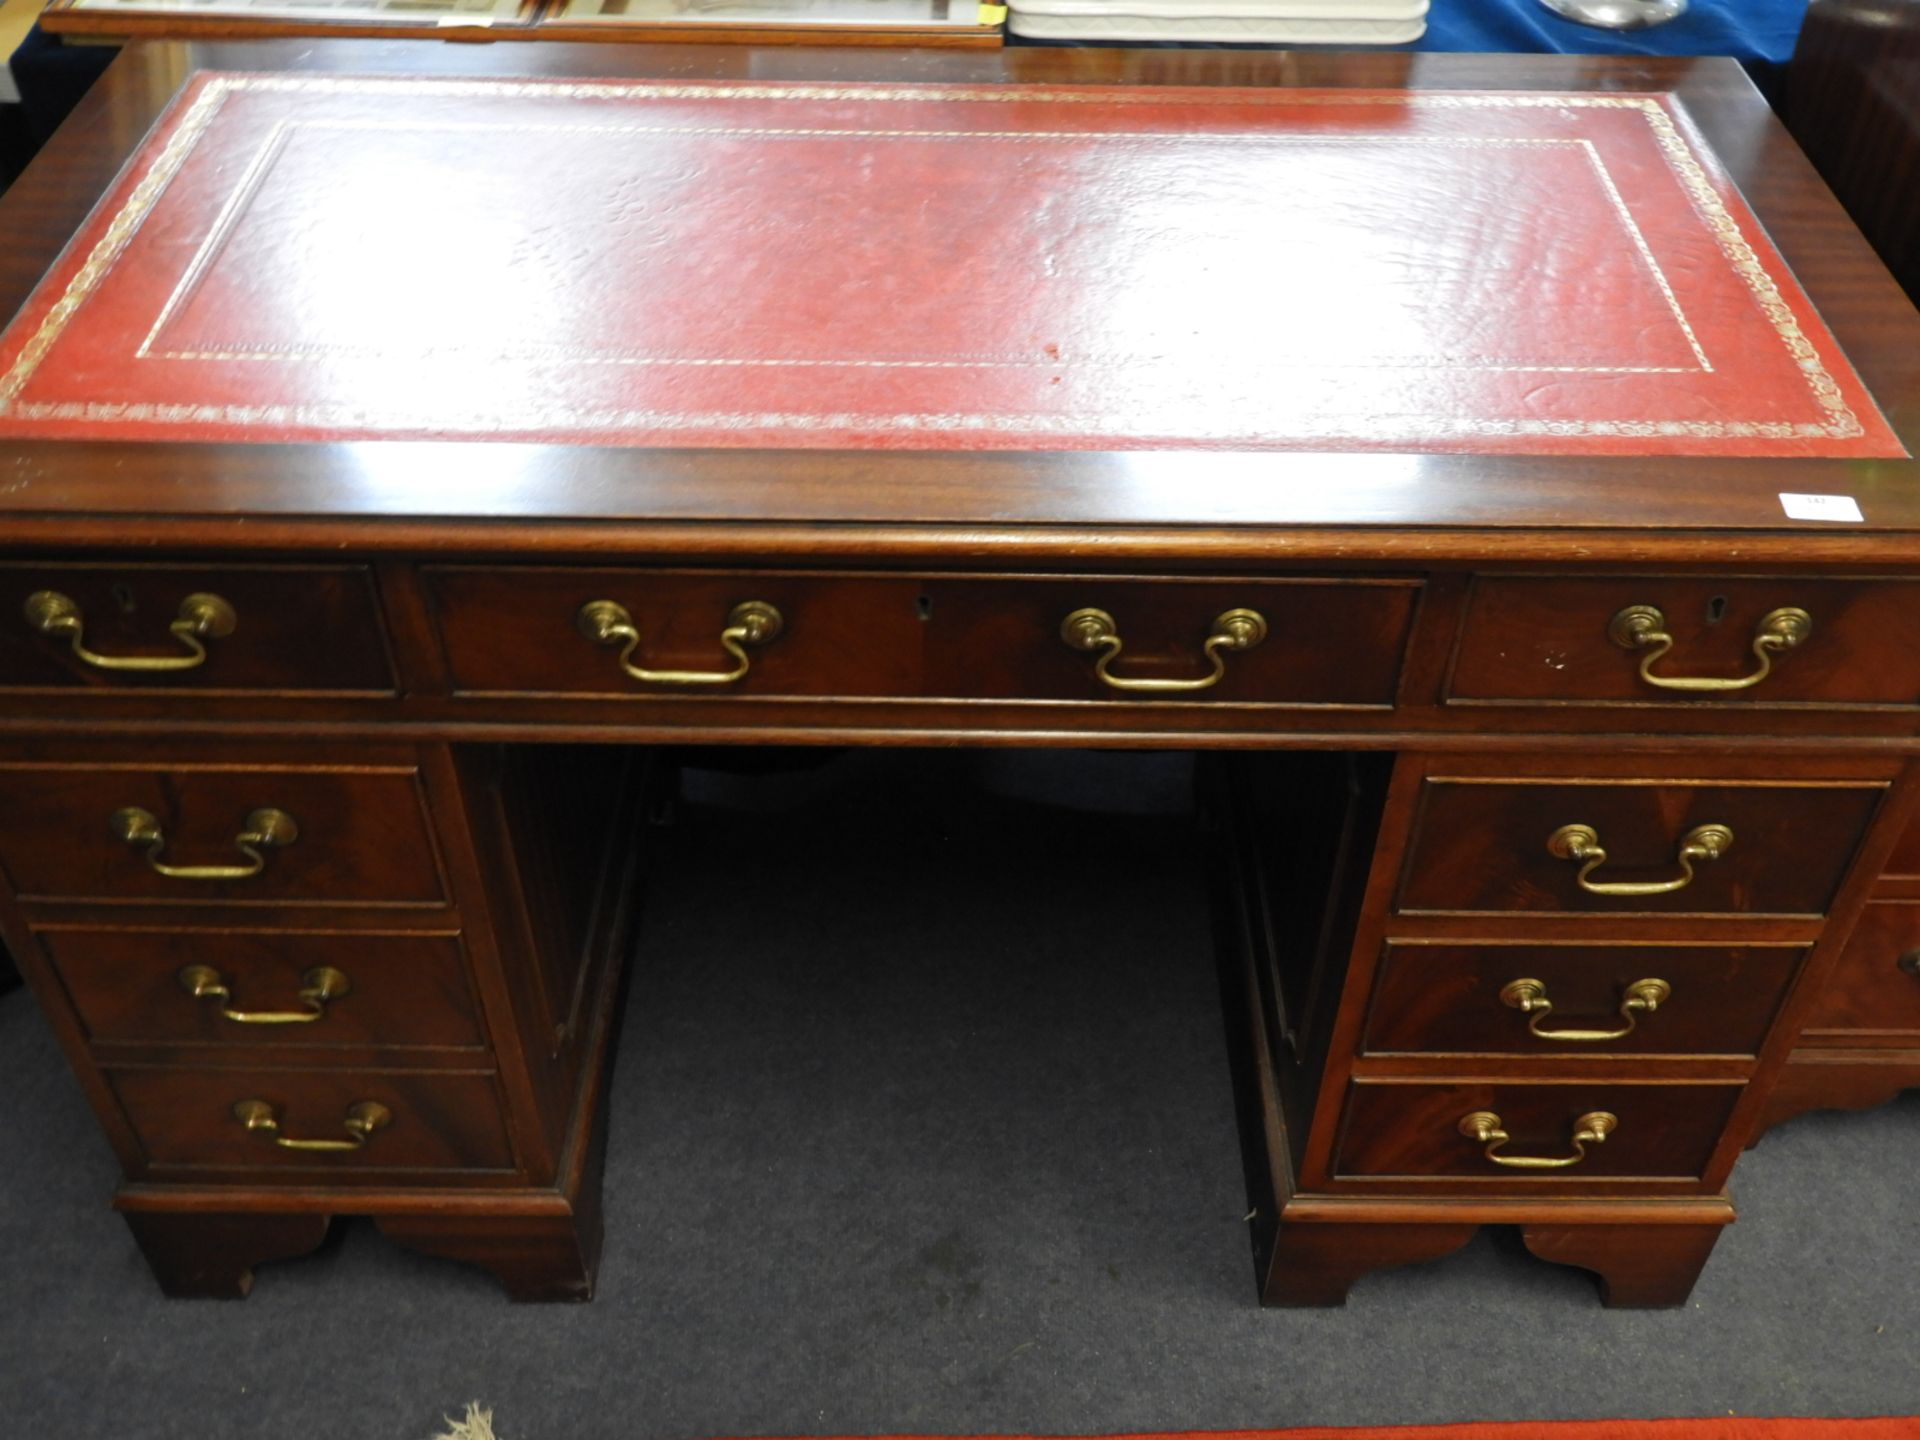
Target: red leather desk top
point(929, 267)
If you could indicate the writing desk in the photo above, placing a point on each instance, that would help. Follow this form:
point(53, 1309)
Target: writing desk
point(325, 896)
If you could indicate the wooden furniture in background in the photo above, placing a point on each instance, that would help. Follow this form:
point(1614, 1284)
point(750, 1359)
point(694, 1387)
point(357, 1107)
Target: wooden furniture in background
point(1861, 1045)
point(1852, 100)
point(395, 794)
point(969, 23)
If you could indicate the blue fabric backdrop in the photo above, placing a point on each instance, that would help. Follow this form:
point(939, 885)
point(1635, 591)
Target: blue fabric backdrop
point(1752, 30)
point(1759, 32)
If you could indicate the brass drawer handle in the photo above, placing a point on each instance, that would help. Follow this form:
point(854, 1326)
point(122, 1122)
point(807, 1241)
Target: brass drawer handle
point(1529, 997)
point(752, 622)
point(362, 1119)
point(265, 830)
point(1644, 627)
point(318, 986)
point(1483, 1127)
point(201, 617)
point(1092, 629)
point(1909, 964)
point(1581, 843)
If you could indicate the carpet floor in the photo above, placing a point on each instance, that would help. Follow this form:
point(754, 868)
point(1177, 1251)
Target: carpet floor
point(933, 1136)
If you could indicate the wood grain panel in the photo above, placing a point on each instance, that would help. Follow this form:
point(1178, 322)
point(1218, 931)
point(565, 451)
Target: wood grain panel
point(184, 1120)
point(514, 631)
point(363, 834)
point(406, 990)
point(1329, 642)
point(1412, 1131)
point(302, 629)
point(1481, 846)
point(1446, 998)
point(1545, 640)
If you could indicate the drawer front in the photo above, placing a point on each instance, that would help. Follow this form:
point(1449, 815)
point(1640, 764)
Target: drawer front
point(358, 835)
point(519, 632)
point(1321, 642)
point(1536, 999)
point(300, 629)
point(186, 1119)
point(1541, 640)
point(1414, 1131)
point(1875, 987)
point(311, 992)
point(1482, 846)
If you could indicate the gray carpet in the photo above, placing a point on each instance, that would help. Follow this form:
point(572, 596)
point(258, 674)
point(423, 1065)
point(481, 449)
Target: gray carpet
point(932, 1136)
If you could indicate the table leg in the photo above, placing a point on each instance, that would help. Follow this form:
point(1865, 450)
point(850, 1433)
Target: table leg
point(1314, 1264)
point(1640, 1266)
point(212, 1256)
point(535, 1257)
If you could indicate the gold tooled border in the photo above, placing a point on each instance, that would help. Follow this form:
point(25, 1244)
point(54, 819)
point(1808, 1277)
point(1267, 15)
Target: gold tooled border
point(1840, 421)
point(130, 216)
point(1091, 427)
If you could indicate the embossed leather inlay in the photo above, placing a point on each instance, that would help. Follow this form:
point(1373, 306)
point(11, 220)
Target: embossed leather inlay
point(316, 257)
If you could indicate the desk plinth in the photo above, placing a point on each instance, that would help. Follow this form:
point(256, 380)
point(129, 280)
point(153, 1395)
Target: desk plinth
point(1554, 755)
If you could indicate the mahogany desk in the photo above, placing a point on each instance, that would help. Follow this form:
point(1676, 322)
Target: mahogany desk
point(324, 902)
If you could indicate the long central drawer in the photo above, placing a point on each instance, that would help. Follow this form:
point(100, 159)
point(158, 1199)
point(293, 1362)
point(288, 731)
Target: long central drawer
point(1332, 641)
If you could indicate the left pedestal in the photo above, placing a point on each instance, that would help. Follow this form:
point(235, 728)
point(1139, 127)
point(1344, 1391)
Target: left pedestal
point(300, 983)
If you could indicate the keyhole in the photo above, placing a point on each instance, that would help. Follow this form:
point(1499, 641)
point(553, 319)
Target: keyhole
point(1716, 607)
point(123, 597)
point(923, 607)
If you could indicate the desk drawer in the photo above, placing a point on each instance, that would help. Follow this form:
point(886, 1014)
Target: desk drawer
point(1332, 642)
point(1874, 990)
point(1320, 641)
point(186, 1119)
point(1528, 640)
point(1467, 999)
point(1483, 845)
point(300, 629)
point(356, 835)
point(295, 990)
point(520, 632)
point(1414, 1131)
